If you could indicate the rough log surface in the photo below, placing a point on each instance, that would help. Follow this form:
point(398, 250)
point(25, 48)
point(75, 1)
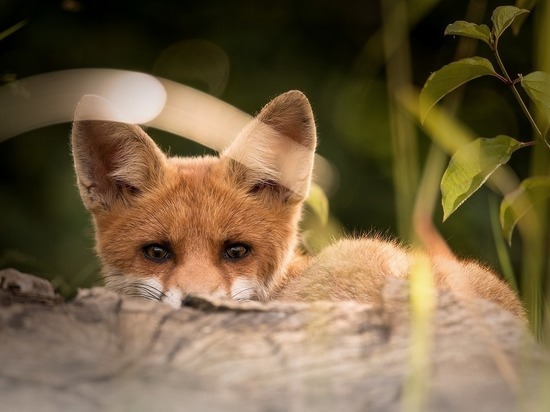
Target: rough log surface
point(105, 352)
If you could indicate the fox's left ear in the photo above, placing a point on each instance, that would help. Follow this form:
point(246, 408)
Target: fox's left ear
point(114, 161)
point(277, 148)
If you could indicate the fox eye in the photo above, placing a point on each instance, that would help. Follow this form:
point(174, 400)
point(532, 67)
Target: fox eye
point(157, 253)
point(236, 251)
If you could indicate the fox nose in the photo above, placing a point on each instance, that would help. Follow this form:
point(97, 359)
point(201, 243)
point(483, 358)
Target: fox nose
point(192, 301)
point(185, 300)
point(178, 299)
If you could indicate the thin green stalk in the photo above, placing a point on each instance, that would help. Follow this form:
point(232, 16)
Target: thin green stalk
point(500, 245)
point(404, 143)
point(516, 92)
point(403, 134)
point(12, 29)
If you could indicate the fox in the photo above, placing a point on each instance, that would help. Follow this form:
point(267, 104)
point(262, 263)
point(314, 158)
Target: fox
point(168, 227)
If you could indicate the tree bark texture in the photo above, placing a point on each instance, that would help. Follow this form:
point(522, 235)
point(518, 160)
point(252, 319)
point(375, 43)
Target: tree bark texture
point(106, 352)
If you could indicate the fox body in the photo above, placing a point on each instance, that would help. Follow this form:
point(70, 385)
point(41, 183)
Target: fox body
point(167, 227)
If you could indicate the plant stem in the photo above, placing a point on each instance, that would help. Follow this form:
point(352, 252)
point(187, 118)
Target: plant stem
point(516, 93)
point(403, 134)
point(12, 29)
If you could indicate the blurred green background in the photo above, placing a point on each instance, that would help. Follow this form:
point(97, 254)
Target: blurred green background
point(245, 53)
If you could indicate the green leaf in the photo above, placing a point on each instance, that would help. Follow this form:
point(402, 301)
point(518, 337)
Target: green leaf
point(450, 77)
point(467, 29)
point(503, 16)
point(318, 202)
point(471, 166)
point(537, 86)
point(514, 206)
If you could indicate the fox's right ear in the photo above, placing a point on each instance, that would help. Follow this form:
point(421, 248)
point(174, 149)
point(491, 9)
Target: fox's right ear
point(277, 148)
point(113, 161)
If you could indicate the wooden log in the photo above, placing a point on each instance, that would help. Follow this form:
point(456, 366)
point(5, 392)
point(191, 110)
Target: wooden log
point(106, 352)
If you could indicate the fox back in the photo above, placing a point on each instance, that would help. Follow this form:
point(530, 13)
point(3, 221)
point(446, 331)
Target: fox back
point(167, 227)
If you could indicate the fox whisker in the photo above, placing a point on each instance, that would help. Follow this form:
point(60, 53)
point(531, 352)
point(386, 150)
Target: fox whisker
point(235, 296)
point(122, 285)
point(147, 292)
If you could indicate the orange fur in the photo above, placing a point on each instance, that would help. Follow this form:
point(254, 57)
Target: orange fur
point(201, 211)
point(356, 269)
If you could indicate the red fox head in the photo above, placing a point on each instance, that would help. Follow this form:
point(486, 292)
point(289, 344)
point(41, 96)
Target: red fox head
point(167, 227)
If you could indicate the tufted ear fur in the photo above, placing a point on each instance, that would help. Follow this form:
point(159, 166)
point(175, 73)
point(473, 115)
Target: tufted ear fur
point(113, 161)
point(277, 148)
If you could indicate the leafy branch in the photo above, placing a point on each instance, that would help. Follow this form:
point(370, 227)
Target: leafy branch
point(474, 163)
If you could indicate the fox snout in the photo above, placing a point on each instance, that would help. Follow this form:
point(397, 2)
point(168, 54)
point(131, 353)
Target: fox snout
point(175, 293)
